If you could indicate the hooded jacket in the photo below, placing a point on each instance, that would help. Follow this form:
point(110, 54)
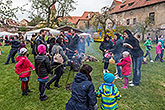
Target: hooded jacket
point(106, 45)
point(42, 65)
point(118, 47)
point(126, 66)
point(23, 65)
point(83, 96)
point(147, 43)
point(109, 96)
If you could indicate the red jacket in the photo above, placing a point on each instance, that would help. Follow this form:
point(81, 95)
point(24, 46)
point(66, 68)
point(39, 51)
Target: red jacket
point(126, 66)
point(23, 65)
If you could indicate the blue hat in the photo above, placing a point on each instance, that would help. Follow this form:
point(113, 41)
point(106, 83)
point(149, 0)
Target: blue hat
point(108, 77)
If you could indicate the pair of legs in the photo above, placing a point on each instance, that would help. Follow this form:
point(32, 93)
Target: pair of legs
point(137, 62)
point(125, 85)
point(158, 56)
point(57, 76)
point(25, 86)
point(42, 84)
point(11, 55)
point(106, 64)
point(148, 54)
point(117, 59)
point(162, 54)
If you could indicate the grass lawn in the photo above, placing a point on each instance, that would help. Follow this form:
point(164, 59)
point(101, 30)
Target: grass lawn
point(150, 95)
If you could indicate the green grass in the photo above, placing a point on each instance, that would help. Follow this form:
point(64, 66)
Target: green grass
point(150, 95)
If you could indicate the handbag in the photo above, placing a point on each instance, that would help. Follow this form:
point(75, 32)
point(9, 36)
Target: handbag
point(57, 57)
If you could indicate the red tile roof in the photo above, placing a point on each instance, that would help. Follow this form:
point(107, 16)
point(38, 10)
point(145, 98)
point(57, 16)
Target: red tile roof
point(117, 2)
point(53, 7)
point(133, 4)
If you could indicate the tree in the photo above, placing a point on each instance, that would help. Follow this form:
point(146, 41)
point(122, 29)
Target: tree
point(102, 18)
point(6, 10)
point(142, 27)
point(43, 8)
point(35, 20)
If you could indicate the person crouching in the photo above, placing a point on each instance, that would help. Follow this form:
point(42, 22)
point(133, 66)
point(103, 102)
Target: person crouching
point(42, 66)
point(22, 68)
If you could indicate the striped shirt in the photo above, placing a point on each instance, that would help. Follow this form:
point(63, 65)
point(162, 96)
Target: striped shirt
point(109, 96)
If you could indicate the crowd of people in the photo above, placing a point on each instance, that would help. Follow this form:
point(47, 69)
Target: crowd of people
point(53, 53)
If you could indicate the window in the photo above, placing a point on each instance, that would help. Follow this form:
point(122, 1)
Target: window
point(134, 21)
point(122, 6)
point(128, 21)
point(147, 0)
point(130, 4)
point(152, 17)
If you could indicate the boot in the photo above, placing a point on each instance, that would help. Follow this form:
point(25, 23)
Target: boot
point(48, 87)
point(27, 90)
point(43, 98)
point(124, 86)
point(24, 93)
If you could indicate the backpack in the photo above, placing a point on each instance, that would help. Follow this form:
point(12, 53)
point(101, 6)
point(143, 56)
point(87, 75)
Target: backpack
point(76, 65)
point(57, 56)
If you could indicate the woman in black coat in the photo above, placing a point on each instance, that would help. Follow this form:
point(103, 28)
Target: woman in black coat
point(105, 46)
point(136, 54)
point(83, 96)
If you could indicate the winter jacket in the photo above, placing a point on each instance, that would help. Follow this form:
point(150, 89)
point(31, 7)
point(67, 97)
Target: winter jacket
point(136, 51)
point(162, 43)
point(126, 66)
point(109, 96)
point(83, 96)
point(14, 43)
point(158, 49)
point(81, 46)
point(106, 45)
point(118, 47)
point(42, 65)
point(73, 45)
point(147, 43)
point(57, 48)
point(39, 40)
point(23, 65)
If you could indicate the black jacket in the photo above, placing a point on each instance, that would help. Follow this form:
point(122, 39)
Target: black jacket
point(73, 45)
point(106, 45)
point(136, 51)
point(83, 95)
point(42, 65)
point(14, 43)
point(118, 47)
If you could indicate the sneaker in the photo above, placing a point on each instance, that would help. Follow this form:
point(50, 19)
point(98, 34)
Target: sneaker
point(57, 85)
point(124, 87)
point(107, 71)
point(152, 61)
point(24, 93)
point(115, 73)
point(48, 87)
point(43, 98)
point(117, 77)
point(29, 90)
point(104, 71)
point(5, 63)
point(130, 82)
point(131, 85)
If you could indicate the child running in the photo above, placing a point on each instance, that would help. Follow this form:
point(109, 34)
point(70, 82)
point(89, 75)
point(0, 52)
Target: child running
point(42, 66)
point(109, 93)
point(126, 68)
point(22, 68)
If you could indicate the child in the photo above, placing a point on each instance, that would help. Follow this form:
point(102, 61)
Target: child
point(22, 45)
point(158, 52)
point(148, 45)
point(109, 93)
point(42, 66)
point(126, 68)
point(22, 68)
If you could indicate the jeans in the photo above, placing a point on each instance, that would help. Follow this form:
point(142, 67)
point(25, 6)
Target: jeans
point(148, 53)
point(137, 62)
point(117, 59)
point(106, 63)
point(162, 54)
point(158, 56)
point(11, 55)
point(57, 76)
point(42, 88)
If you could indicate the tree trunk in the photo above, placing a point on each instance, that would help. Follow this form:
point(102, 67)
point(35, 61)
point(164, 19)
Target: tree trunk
point(142, 36)
point(48, 19)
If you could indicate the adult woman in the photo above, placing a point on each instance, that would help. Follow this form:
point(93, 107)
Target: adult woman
point(58, 71)
point(105, 46)
point(137, 56)
point(117, 51)
point(83, 96)
point(162, 46)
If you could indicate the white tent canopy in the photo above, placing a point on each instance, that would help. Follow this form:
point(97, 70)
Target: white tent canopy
point(4, 33)
point(84, 34)
point(52, 31)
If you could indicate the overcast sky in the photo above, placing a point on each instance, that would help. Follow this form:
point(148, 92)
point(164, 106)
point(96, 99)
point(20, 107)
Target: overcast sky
point(82, 5)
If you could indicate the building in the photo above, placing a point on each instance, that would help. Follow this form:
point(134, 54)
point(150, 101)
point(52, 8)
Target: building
point(129, 12)
point(24, 22)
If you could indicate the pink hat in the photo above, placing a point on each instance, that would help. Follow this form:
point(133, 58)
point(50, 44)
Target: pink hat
point(42, 49)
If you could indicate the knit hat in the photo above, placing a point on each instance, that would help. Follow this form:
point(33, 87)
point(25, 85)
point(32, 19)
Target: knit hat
point(108, 77)
point(42, 49)
point(23, 51)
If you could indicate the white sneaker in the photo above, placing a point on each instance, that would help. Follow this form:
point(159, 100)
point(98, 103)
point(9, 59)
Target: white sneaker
point(131, 85)
point(130, 82)
point(115, 73)
point(152, 61)
point(107, 70)
point(104, 71)
point(117, 77)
